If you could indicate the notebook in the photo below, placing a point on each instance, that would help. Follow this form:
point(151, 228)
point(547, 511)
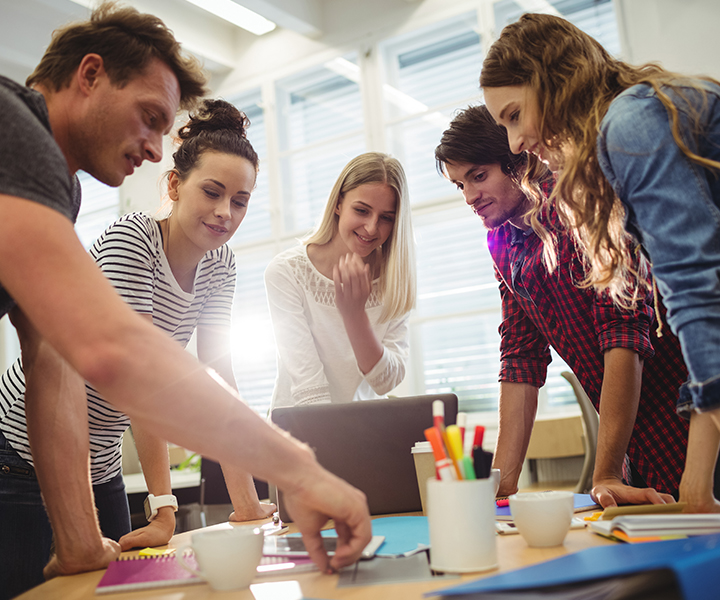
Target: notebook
point(368, 444)
point(653, 528)
point(143, 573)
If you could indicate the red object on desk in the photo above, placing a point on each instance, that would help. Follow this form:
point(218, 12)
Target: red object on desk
point(502, 502)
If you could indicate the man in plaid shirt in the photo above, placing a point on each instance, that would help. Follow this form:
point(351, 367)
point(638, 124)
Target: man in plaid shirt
point(631, 376)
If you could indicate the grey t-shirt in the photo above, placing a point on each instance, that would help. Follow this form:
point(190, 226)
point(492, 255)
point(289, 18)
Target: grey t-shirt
point(32, 165)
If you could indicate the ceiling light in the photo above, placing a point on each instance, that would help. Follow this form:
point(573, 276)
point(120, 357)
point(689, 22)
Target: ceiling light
point(237, 15)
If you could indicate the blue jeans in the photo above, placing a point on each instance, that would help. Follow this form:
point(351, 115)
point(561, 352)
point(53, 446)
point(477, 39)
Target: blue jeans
point(673, 206)
point(25, 532)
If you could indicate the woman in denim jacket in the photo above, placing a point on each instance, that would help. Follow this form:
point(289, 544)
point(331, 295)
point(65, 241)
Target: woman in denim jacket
point(637, 149)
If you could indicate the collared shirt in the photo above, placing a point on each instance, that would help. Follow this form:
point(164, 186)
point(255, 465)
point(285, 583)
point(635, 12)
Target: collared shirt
point(542, 309)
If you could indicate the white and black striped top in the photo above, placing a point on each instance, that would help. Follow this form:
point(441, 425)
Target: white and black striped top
point(130, 254)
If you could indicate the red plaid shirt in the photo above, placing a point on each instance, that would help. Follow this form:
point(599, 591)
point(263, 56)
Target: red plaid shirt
point(542, 310)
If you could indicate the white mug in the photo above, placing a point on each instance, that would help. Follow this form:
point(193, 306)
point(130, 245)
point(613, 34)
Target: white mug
point(227, 558)
point(542, 518)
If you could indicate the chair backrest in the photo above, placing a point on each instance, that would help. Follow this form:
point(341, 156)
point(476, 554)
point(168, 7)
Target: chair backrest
point(212, 484)
point(591, 423)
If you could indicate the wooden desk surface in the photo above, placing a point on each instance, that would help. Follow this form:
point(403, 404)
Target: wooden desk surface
point(513, 553)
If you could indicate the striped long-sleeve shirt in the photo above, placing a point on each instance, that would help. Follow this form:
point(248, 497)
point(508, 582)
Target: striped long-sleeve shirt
point(130, 253)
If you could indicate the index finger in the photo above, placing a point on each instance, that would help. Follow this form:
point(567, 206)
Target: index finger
point(316, 550)
point(352, 540)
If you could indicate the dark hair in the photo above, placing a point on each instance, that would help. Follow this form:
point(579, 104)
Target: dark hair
point(215, 125)
point(474, 137)
point(127, 41)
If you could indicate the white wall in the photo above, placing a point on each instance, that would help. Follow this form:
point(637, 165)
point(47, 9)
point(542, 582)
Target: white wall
point(680, 34)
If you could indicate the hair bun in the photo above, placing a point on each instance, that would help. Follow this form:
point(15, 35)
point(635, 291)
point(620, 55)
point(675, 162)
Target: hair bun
point(214, 115)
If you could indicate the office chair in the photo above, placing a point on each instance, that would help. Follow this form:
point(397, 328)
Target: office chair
point(591, 423)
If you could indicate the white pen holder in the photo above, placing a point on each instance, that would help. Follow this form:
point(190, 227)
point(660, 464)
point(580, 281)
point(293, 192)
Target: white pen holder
point(461, 518)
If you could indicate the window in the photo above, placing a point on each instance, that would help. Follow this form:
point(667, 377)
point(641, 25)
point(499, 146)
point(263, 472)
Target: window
point(100, 207)
point(595, 17)
point(412, 87)
point(428, 74)
point(257, 223)
point(320, 128)
point(253, 350)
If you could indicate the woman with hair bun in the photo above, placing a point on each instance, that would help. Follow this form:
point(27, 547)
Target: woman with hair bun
point(180, 274)
point(340, 301)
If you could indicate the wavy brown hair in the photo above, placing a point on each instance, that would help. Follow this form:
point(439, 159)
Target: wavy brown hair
point(127, 40)
point(575, 80)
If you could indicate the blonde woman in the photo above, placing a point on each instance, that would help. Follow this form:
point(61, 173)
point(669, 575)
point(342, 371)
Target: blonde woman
point(635, 147)
point(340, 301)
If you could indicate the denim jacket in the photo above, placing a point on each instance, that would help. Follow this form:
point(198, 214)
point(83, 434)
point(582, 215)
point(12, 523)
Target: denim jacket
point(673, 206)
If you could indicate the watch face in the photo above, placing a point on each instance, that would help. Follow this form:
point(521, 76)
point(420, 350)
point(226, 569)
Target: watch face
point(148, 509)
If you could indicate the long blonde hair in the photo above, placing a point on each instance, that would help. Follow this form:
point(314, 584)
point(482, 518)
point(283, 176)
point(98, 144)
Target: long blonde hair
point(397, 255)
point(575, 80)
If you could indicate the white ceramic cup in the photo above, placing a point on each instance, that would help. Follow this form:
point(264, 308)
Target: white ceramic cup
point(542, 518)
point(227, 558)
point(461, 518)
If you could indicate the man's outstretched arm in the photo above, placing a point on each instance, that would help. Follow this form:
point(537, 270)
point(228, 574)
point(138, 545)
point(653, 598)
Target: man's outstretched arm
point(153, 380)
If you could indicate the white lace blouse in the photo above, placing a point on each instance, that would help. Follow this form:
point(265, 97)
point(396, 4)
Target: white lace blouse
point(316, 362)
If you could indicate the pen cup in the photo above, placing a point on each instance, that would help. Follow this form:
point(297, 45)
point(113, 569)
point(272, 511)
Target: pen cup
point(461, 518)
point(425, 469)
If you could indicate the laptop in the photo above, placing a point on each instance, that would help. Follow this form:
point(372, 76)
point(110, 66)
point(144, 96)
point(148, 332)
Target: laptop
point(368, 444)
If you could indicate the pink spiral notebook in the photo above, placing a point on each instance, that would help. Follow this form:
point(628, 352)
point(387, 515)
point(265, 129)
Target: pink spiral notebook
point(144, 573)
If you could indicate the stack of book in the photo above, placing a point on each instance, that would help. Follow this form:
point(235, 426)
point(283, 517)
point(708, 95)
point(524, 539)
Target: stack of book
point(656, 527)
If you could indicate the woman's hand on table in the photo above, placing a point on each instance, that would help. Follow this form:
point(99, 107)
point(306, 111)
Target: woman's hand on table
point(156, 533)
point(261, 510)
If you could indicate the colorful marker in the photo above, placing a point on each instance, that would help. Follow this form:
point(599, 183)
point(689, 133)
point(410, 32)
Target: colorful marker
point(438, 409)
point(481, 460)
point(443, 465)
point(462, 424)
point(455, 449)
point(479, 435)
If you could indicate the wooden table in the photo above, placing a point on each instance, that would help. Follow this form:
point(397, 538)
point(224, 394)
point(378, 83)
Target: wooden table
point(513, 553)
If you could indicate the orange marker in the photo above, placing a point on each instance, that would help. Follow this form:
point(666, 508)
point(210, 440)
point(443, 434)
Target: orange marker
point(443, 465)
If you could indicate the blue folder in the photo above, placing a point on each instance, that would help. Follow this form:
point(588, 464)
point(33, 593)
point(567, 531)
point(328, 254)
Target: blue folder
point(694, 561)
